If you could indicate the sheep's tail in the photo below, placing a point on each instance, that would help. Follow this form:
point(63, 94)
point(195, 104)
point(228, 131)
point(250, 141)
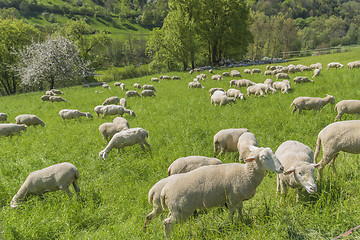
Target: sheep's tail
point(162, 199)
point(335, 108)
point(318, 148)
point(151, 197)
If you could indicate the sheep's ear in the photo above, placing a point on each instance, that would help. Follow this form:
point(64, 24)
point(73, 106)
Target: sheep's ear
point(252, 148)
point(291, 170)
point(249, 159)
point(316, 165)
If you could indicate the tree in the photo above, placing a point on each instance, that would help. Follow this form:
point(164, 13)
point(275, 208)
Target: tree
point(55, 61)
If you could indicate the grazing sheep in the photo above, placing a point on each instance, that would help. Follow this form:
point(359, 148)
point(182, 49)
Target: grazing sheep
point(136, 85)
point(334, 65)
point(211, 71)
point(165, 77)
point(122, 86)
point(195, 85)
point(9, 129)
point(123, 102)
point(259, 89)
point(301, 80)
point(56, 91)
point(201, 76)
point(247, 71)
point(298, 162)
point(269, 82)
point(73, 113)
point(305, 68)
point(154, 79)
point(352, 65)
point(121, 121)
point(191, 71)
point(108, 130)
point(115, 110)
point(316, 73)
point(216, 185)
point(117, 84)
point(268, 72)
point(149, 87)
point(50, 179)
point(235, 93)
point(187, 164)
point(282, 75)
point(227, 139)
point(97, 109)
point(241, 83)
point(255, 70)
point(347, 106)
point(220, 98)
point(311, 103)
point(125, 138)
point(246, 140)
point(29, 120)
point(105, 85)
point(57, 99)
point(3, 117)
point(235, 73)
point(50, 93)
point(132, 93)
point(216, 77)
point(284, 87)
point(212, 90)
point(316, 66)
point(335, 137)
point(176, 78)
point(111, 100)
point(45, 98)
point(226, 74)
point(148, 93)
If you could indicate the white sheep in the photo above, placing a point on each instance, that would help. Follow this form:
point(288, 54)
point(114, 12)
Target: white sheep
point(9, 129)
point(335, 137)
point(246, 140)
point(105, 85)
point(187, 164)
point(220, 98)
point(115, 110)
point(56, 91)
point(300, 79)
point(29, 120)
point(3, 117)
point(256, 90)
point(148, 93)
point(108, 130)
point(125, 138)
point(45, 98)
point(255, 70)
point(165, 77)
point(352, 65)
point(232, 92)
point(195, 85)
point(316, 73)
point(122, 86)
point(73, 113)
point(211, 71)
point(132, 93)
point(347, 106)
point(111, 100)
point(117, 84)
point(247, 71)
point(269, 82)
point(176, 78)
point(241, 83)
point(282, 76)
point(311, 103)
point(57, 99)
point(235, 73)
point(227, 139)
point(216, 185)
point(123, 102)
point(137, 85)
point(212, 90)
point(50, 93)
point(316, 66)
point(50, 179)
point(191, 71)
point(216, 77)
point(282, 86)
point(298, 162)
point(97, 109)
point(334, 65)
point(155, 79)
point(268, 72)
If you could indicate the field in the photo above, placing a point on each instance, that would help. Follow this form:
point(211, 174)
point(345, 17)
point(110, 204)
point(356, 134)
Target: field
point(180, 122)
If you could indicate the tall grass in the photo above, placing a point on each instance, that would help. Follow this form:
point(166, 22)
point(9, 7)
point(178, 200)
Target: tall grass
point(180, 122)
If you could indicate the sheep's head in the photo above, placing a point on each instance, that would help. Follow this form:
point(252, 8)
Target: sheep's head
point(102, 155)
point(88, 115)
point(132, 113)
point(304, 176)
point(266, 157)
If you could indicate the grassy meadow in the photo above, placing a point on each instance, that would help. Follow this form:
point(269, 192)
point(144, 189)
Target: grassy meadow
point(180, 122)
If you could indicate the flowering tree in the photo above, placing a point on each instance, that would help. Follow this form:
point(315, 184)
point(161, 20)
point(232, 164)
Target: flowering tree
point(54, 61)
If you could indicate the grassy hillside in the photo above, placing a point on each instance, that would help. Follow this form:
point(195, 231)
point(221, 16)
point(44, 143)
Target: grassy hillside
point(180, 122)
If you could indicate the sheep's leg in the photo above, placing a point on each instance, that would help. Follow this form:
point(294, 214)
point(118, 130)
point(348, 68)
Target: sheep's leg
point(239, 210)
point(76, 186)
point(155, 212)
point(299, 109)
point(142, 146)
point(338, 117)
point(294, 109)
point(277, 184)
point(332, 164)
point(147, 144)
point(67, 191)
point(168, 225)
point(325, 160)
point(216, 148)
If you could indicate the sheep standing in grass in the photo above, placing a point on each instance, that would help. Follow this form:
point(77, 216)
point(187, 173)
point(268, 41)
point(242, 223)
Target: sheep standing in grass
point(298, 162)
point(111, 100)
point(226, 140)
point(226, 74)
point(216, 77)
point(282, 76)
point(125, 138)
point(235, 93)
point(212, 90)
point(29, 120)
point(57, 99)
point(176, 78)
point(187, 164)
point(56, 91)
point(335, 137)
point(195, 85)
point(115, 110)
point(269, 82)
point(3, 117)
point(302, 80)
point(122, 86)
point(106, 86)
point(247, 71)
point(121, 121)
point(246, 140)
point(255, 70)
point(9, 129)
point(241, 83)
point(50, 93)
point(334, 65)
point(216, 185)
point(97, 109)
point(221, 99)
point(108, 130)
point(352, 65)
point(50, 179)
point(117, 84)
point(73, 113)
point(154, 79)
point(235, 73)
point(311, 103)
point(132, 93)
point(347, 106)
point(316, 73)
point(136, 85)
point(316, 66)
point(282, 86)
point(123, 102)
point(148, 93)
point(45, 98)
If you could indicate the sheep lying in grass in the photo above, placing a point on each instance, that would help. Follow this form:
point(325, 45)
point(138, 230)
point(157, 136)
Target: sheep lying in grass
point(221, 99)
point(334, 65)
point(298, 162)
point(132, 93)
point(216, 185)
point(97, 109)
point(9, 129)
point(282, 76)
point(3, 117)
point(111, 100)
point(50, 179)
point(227, 139)
point(56, 91)
point(311, 103)
point(302, 80)
point(187, 164)
point(45, 98)
point(57, 99)
point(73, 113)
point(316, 73)
point(347, 106)
point(235, 93)
point(212, 90)
point(108, 130)
point(335, 137)
point(29, 120)
point(216, 77)
point(123, 102)
point(125, 138)
point(246, 140)
point(115, 110)
point(148, 93)
point(195, 85)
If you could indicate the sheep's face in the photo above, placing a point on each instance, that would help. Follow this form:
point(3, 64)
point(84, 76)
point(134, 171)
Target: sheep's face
point(88, 115)
point(267, 159)
point(304, 176)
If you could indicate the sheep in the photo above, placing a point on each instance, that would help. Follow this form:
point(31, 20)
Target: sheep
point(298, 162)
point(335, 137)
point(256, 90)
point(123, 102)
point(125, 138)
point(211, 71)
point(29, 120)
point(255, 70)
point(241, 83)
point(137, 85)
point(115, 110)
point(268, 72)
point(301, 80)
point(111, 100)
point(9, 129)
point(284, 87)
point(148, 93)
point(191, 71)
point(50, 93)
point(352, 65)
point(56, 91)
point(132, 93)
point(50, 179)
point(247, 71)
point(122, 86)
point(97, 109)
point(3, 117)
point(316, 73)
point(195, 85)
point(245, 140)
point(212, 90)
point(226, 74)
point(165, 77)
point(347, 106)
point(121, 121)
point(220, 98)
point(305, 68)
point(149, 87)
point(45, 98)
point(235, 93)
point(117, 84)
point(154, 79)
point(227, 139)
point(216, 77)
point(235, 73)
point(334, 65)
point(73, 113)
point(187, 164)
point(57, 99)
point(316, 66)
point(176, 78)
point(269, 82)
point(282, 75)
point(108, 130)
point(105, 85)
point(201, 76)
point(216, 185)
point(311, 103)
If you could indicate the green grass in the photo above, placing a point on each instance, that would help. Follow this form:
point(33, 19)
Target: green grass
point(180, 122)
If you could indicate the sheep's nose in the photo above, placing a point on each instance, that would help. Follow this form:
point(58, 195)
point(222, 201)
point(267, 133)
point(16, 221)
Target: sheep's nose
point(282, 168)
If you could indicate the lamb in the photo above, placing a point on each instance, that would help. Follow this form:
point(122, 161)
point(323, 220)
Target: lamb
point(316, 73)
point(227, 139)
point(136, 85)
point(235, 73)
point(45, 98)
point(235, 93)
point(311, 103)
point(123, 102)
point(246, 140)
point(338, 136)
point(195, 85)
point(111, 100)
point(154, 79)
point(216, 185)
point(220, 98)
point(29, 120)
point(50, 93)
point(283, 86)
point(115, 110)
point(282, 75)
point(298, 162)
point(334, 65)
point(97, 109)
point(149, 87)
point(187, 164)
point(9, 129)
point(148, 93)
point(216, 77)
point(56, 91)
point(50, 179)
point(125, 138)
point(3, 117)
point(132, 93)
point(108, 130)
point(105, 85)
point(347, 106)
point(212, 90)
point(57, 99)
point(301, 80)
point(73, 113)
point(255, 70)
